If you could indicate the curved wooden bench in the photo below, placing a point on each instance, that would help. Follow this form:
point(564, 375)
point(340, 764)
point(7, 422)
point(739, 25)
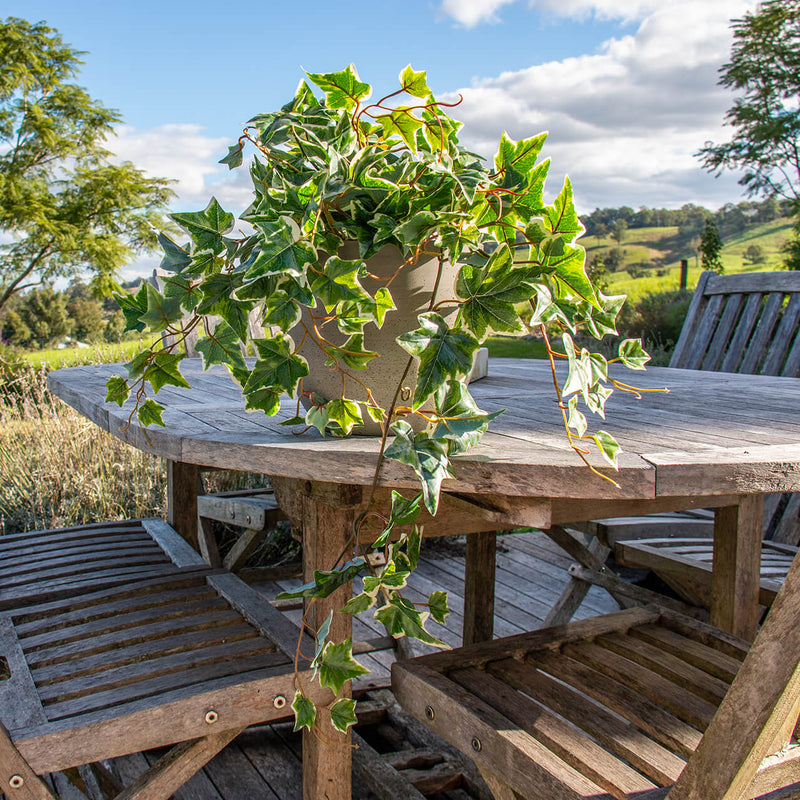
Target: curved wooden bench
point(185, 655)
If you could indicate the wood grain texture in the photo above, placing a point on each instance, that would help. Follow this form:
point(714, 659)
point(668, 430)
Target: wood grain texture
point(669, 440)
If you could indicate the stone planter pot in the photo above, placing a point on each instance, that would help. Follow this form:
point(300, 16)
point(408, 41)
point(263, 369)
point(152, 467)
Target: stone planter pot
point(411, 290)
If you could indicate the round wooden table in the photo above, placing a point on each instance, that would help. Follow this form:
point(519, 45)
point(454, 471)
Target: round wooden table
point(715, 440)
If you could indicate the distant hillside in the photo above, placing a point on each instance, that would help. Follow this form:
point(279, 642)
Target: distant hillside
point(648, 259)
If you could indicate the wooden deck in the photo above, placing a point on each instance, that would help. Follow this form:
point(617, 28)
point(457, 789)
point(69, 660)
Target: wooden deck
point(265, 762)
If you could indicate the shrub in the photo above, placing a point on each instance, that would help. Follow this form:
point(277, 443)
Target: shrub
point(657, 319)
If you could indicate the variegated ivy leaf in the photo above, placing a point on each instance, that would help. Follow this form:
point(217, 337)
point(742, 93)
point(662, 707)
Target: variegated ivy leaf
point(276, 366)
point(403, 512)
point(401, 618)
point(608, 446)
point(359, 603)
point(326, 581)
point(426, 456)
point(437, 603)
point(175, 257)
point(343, 714)
point(118, 390)
point(163, 369)
point(415, 230)
point(344, 414)
point(632, 354)
point(149, 413)
point(219, 291)
point(322, 635)
point(353, 352)
point(562, 216)
point(283, 311)
point(208, 227)
point(222, 346)
point(401, 122)
point(576, 420)
point(460, 422)
point(515, 160)
point(234, 157)
point(317, 417)
point(337, 665)
point(567, 264)
point(133, 306)
point(491, 292)
point(186, 290)
point(342, 89)
point(282, 252)
point(443, 353)
point(305, 712)
point(414, 83)
point(338, 282)
point(161, 311)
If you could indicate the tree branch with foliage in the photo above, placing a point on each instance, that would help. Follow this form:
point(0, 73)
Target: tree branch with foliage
point(67, 207)
point(391, 173)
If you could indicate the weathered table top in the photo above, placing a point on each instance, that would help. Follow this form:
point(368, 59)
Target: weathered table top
point(712, 434)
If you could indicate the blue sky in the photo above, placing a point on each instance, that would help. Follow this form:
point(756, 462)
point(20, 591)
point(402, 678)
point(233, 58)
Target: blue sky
point(626, 88)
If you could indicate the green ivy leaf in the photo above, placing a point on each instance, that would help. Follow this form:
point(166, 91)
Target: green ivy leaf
point(342, 89)
point(353, 352)
point(118, 391)
point(234, 157)
point(442, 353)
point(390, 578)
point(221, 347)
point(175, 257)
point(337, 665)
point(322, 635)
point(164, 370)
point(305, 713)
point(401, 122)
point(426, 456)
point(326, 581)
point(437, 603)
point(414, 231)
point(400, 618)
point(384, 302)
point(576, 421)
point(632, 354)
point(187, 292)
point(149, 413)
point(317, 417)
point(207, 227)
point(515, 160)
point(562, 215)
point(276, 367)
point(133, 306)
point(461, 422)
point(343, 714)
point(282, 252)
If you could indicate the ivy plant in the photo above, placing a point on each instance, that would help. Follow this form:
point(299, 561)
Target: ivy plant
point(341, 168)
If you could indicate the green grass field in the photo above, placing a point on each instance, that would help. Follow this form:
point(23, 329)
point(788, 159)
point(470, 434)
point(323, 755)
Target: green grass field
point(74, 356)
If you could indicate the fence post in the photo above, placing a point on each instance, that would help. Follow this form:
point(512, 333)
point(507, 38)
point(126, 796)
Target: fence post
point(684, 272)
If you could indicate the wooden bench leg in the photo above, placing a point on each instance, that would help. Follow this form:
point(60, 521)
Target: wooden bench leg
point(183, 486)
point(479, 576)
point(737, 560)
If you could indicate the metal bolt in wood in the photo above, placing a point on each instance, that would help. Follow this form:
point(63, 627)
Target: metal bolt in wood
point(279, 701)
point(211, 717)
point(429, 712)
point(476, 744)
point(16, 781)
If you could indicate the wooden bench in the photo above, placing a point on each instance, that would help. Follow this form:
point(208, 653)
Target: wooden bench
point(643, 704)
point(180, 655)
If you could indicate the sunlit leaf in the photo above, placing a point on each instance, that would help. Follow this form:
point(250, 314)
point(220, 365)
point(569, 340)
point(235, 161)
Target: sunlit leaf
point(343, 714)
point(207, 227)
point(337, 665)
point(149, 413)
point(305, 713)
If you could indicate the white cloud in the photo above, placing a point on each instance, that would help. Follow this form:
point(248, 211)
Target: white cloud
point(184, 154)
point(471, 12)
point(624, 122)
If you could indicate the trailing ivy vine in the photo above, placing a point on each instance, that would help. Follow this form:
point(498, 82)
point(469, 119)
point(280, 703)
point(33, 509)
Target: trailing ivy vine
point(390, 172)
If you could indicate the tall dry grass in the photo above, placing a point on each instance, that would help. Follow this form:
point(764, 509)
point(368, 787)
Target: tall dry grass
point(57, 468)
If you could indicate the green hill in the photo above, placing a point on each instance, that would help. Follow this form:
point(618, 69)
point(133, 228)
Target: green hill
point(649, 258)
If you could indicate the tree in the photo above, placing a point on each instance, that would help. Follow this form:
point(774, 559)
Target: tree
point(764, 69)
point(44, 311)
point(63, 205)
point(710, 247)
point(618, 231)
point(754, 254)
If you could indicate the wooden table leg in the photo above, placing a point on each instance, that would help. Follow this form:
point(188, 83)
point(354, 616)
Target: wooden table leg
point(325, 514)
point(479, 576)
point(737, 561)
point(183, 486)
